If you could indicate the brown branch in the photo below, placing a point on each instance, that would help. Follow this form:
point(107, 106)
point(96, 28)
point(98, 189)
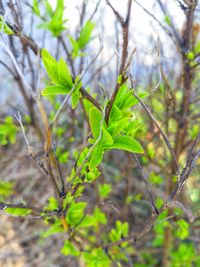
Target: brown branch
point(125, 33)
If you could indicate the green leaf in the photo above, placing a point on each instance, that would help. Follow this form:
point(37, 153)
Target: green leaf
point(36, 9)
point(155, 179)
point(115, 128)
point(121, 94)
point(129, 100)
point(68, 199)
point(56, 24)
point(69, 249)
point(92, 175)
point(125, 98)
point(82, 156)
point(6, 188)
point(8, 131)
point(55, 90)
point(76, 94)
point(159, 202)
point(75, 99)
point(115, 114)
point(18, 211)
point(158, 240)
point(53, 204)
point(190, 55)
point(119, 232)
point(51, 66)
point(95, 117)
point(48, 8)
point(96, 157)
point(64, 74)
point(75, 47)
point(88, 221)
point(104, 190)
point(85, 34)
point(75, 213)
point(184, 255)
point(54, 229)
point(126, 143)
point(125, 229)
point(106, 139)
point(4, 27)
point(167, 20)
point(197, 48)
point(183, 229)
point(79, 191)
point(157, 105)
point(99, 216)
point(96, 258)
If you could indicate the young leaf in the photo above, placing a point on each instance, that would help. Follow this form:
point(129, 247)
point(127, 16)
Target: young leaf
point(51, 66)
point(55, 90)
point(75, 213)
point(96, 157)
point(75, 99)
point(85, 34)
point(99, 216)
point(6, 188)
point(95, 117)
point(126, 143)
point(18, 211)
point(53, 204)
point(104, 190)
point(116, 127)
point(4, 27)
point(115, 114)
point(54, 229)
point(76, 95)
point(183, 229)
point(75, 47)
point(96, 258)
point(88, 221)
point(121, 94)
point(64, 74)
point(69, 249)
point(107, 139)
point(36, 9)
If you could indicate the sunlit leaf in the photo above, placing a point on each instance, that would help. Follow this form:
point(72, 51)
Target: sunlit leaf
point(126, 143)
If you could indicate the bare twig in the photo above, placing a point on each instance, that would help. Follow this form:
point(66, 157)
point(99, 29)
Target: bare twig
point(30, 150)
point(167, 142)
point(148, 185)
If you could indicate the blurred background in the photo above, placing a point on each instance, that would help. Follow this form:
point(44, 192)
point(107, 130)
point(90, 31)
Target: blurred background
point(156, 68)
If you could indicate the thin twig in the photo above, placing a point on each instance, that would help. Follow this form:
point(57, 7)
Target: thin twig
point(167, 142)
point(124, 54)
point(148, 185)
